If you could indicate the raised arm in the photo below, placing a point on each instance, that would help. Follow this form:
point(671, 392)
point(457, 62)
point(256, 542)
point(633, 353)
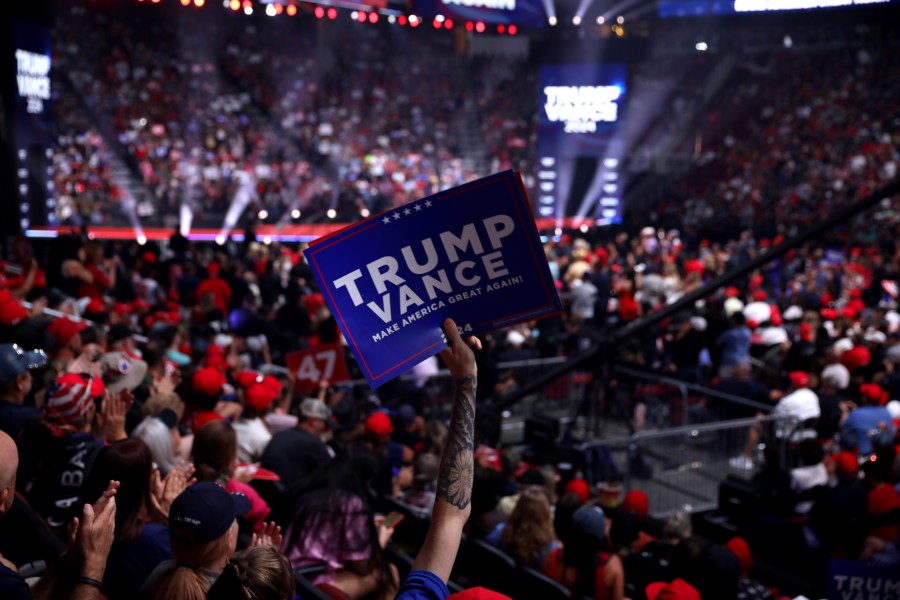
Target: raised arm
point(453, 499)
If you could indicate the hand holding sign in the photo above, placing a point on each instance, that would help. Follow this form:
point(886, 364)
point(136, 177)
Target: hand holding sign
point(471, 253)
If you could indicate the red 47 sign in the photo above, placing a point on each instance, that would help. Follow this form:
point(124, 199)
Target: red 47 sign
point(315, 364)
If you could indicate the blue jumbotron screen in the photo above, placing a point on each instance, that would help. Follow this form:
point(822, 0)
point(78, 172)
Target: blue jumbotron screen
point(580, 145)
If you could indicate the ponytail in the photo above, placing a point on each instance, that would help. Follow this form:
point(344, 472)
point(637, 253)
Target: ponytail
point(259, 573)
point(189, 578)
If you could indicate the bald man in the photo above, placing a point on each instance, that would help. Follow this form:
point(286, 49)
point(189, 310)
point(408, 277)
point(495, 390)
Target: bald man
point(87, 553)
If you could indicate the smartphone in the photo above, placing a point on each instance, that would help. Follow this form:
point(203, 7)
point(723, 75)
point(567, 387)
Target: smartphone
point(392, 519)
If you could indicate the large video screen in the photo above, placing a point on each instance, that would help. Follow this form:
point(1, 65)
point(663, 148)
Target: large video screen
point(33, 124)
point(519, 12)
point(694, 8)
point(580, 141)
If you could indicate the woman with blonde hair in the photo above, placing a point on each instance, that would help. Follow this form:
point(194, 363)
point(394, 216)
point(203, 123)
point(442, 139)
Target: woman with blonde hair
point(528, 534)
point(260, 573)
point(203, 534)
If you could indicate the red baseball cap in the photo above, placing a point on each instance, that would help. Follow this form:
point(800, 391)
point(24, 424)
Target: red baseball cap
point(120, 308)
point(247, 379)
point(378, 426)
point(799, 378)
point(140, 305)
point(259, 396)
point(759, 295)
point(12, 313)
point(64, 329)
point(805, 332)
point(149, 257)
point(829, 314)
point(207, 416)
point(873, 391)
point(739, 546)
point(5, 295)
point(847, 463)
point(677, 590)
point(637, 502)
point(731, 292)
point(274, 383)
point(96, 306)
point(580, 488)
point(477, 594)
point(208, 382)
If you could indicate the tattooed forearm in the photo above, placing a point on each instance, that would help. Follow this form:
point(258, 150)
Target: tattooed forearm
point(458, 462)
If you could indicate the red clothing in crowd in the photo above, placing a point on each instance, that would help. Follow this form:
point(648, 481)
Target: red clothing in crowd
point(219, 289)
point(96, 289)
point(858, 356)
point(883, 499)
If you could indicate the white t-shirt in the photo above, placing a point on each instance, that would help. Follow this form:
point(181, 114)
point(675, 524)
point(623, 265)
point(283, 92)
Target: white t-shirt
point(840, 374)
point(804, 478)
point(758, 311)
point(252, 439)
point(796, 407)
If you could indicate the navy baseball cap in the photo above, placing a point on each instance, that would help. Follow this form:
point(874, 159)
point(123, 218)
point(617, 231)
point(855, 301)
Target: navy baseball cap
point(14, 361)
point(204, 512)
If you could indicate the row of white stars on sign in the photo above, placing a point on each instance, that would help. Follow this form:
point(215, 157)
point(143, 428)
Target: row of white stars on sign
point(397, 215)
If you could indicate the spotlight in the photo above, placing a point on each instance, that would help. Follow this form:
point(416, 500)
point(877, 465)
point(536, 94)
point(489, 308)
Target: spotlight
point(436, 23)
point(470, 25)
point(361, 16)
point(479, 27)
point(373, 17)
point(235, 4)
point(401, 19)
point(248, 10)
point(354, 15)
point(392, 19)
point(185, 2)
point(558, 231)
point(439, 18)
point(576, 20)
point(620, 19)
point(295, 214)
point(332, 13)
point(270, 10)
point(142, 239)
point(320, 12)
point(601, 20)
point(263, 214)
point(414, 21)
point(267, 240)
point(291, 10)
point(701, 46)
point(512, 30)
point(364, 212)
point(278, 9)
point(448, 24)
point(788, 42)
point(552, 21)
point(220, 240)
point(199, 3)
point(331, 213)
point(584, 228)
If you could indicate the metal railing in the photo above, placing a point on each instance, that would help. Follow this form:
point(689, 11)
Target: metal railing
point(680, 469)
point(557, 398)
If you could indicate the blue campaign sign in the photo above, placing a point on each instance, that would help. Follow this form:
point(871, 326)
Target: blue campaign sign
point(862, 580)
point(471, 253)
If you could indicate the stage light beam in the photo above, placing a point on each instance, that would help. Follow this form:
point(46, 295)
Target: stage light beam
point(552, 21)
point(331, 213)
point(295, 214)
point(576, 20)
point(263, 214)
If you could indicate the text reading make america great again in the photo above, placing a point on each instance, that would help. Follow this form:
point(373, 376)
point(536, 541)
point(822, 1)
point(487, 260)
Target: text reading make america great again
point(471, 253)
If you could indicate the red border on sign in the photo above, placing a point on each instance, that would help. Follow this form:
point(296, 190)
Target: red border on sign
point(468, 188)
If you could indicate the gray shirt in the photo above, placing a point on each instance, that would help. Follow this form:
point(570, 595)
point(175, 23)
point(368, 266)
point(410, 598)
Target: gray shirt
point(583, 299)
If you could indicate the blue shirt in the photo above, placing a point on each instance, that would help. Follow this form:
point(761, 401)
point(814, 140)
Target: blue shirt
point(863, 420)
point(422, 585)
point(14, 417)
point(127, 569)
point(735, 344)
point(13, 586)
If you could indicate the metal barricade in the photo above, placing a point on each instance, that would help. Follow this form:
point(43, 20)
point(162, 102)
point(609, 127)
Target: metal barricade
point(680, 469)
point(436, 391)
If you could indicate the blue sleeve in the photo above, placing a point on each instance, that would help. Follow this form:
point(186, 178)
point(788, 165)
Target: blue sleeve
point(494, 537)
point(422, 585)
point(14, 587)
point(395, 454)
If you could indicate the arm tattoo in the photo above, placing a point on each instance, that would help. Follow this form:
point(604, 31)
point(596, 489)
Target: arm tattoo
point(458, 462)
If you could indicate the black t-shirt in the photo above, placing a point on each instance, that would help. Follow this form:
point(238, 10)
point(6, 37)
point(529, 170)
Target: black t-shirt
point(839, 514)
point(410, 439)
point(830, 407)
point(13, 585)
point(800, 357)
point(14, 417)
point(294, 454)
point(749, 389)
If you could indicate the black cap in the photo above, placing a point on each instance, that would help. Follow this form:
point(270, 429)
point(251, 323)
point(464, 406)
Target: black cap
point(344, 415)
point(168, 416)
point(204, 512)
point(118, 333)
point(29, 335)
